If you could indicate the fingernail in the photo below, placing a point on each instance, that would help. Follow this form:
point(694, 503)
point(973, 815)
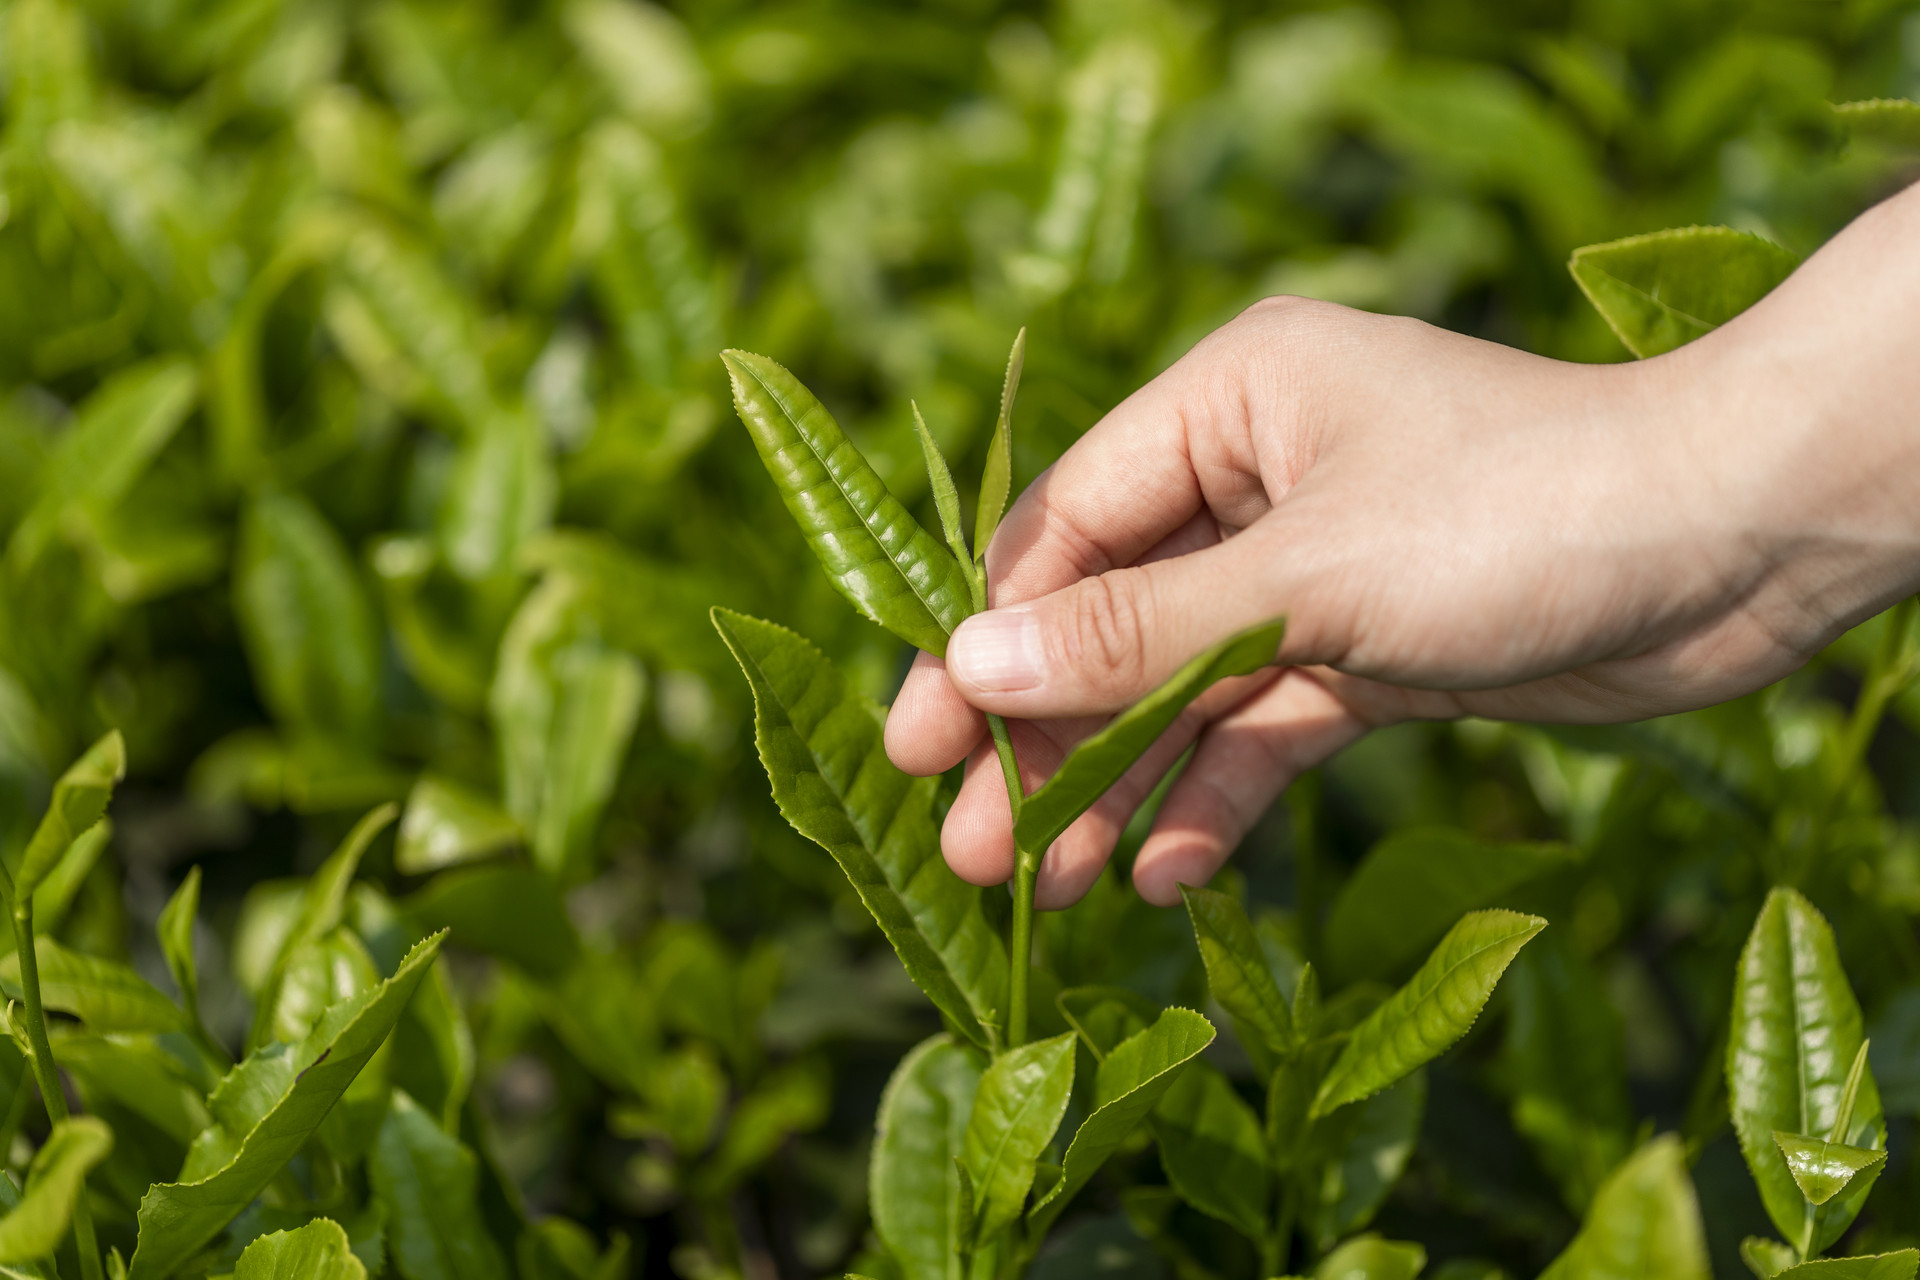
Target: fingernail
point(996, 652)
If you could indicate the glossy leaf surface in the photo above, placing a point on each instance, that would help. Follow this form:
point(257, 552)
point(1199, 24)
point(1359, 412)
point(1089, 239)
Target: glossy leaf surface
point(1422, 1019)
point(1644, 1224)
point(317, 1251)
point(875, 552)
point(1667, 288)
point(55, 1180)
point(1238, 974)
point(1097, 763)
point(264, 1112)
point(1130, 1082)
point(1822, 1169)
point(821, 744)
point(1795, 1033)
point(1019, 1104)
point(1901, 1264)
point(946, 498)
point(1371, 1258)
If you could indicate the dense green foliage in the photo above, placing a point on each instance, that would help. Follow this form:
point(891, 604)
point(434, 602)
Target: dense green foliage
point(366, 440)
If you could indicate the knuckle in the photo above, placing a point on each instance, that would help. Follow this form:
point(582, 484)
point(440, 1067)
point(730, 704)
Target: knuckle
point(1106, 630)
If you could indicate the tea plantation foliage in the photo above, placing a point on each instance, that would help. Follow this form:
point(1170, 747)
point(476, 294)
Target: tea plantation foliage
point(367, 475)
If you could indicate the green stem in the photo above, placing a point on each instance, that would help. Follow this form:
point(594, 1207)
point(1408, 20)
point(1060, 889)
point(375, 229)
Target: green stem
point(1303, 803)
point(45, 1074)
point(1026, 872)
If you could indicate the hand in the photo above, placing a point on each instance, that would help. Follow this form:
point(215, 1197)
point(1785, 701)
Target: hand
point(1451, 527)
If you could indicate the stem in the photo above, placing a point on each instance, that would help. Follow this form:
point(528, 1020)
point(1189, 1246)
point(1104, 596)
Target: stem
point(1026, 872)
point(47, 1076)
point(1303, 804)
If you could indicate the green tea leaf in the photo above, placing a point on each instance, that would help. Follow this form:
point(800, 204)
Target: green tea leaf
point(1893, 122)
point(556, 1249)
point(446, 824)
point(1372, 1141)
point(104, 994)
point(1822, 1169)
point(113, 440)
point(309, 631)
point(1898, 1265)
point(918, 1138)
point(1371, 1258)
point(1238, 976)
point(1662, 290)
point(433, 1054)
point(1793, 1038)
point(427, 1181)
point(996, 478)
point(317, 1251)
point(321, 905)
point(1766, 1258)
point(1020, 1102)
point(792, 1099)
point(175, 931)
point(499, 496)
point(137, 1074)
point(1644, 1224)
point(1098, 762)
point(55, 1181)
point(684, 1093)
point(79, 798)
point(1105, 1016)
point(893, 571)
point(1410, 888)
point(821, 744)
point(1423, 1019)
point(264, 1112)
point(1130, 1082)
point(1213, 1150)
point(945, 497)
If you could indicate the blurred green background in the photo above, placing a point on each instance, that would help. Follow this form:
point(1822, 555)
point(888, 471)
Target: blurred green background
point(362, 422)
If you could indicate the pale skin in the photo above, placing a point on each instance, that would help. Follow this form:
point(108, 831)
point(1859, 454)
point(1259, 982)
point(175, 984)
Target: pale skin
point(1451, 527)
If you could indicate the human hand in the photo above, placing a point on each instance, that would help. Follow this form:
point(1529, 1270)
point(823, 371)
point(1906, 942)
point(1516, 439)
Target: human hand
point(1452, 527)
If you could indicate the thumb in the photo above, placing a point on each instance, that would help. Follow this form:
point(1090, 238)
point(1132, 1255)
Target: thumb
point(1098, 645)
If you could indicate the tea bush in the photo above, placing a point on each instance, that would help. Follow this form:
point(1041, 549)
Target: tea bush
point(367, 476)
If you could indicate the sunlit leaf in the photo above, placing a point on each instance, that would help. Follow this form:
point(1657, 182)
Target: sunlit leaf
point(918, 1139)
point(1238, 976)
point(1644, 1224)
point(1019, 1104)
point(55, 1180)
point(1667, 288)
point(317, 1251)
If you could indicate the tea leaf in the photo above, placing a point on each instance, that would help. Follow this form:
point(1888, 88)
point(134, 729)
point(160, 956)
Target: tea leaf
point(1644, 1224)
point(175, 931)
point(1373, 1140)
point(55, 1180)
point(996, 477)
point(427, 1181)
point(309, 631)
point(1898, 1265)
point(1213, 1151)
point(790, 1100)
point(1130, 1082)
point(1794, 1035)
point(80, 796)
point(821, 744)
point(264, 1112)
point(893, 571)
point(1422, 1019)
point(1662, 290)
point(918, 1137)
point(1822, 1169)
point(104, 994)
point(446, 824)
point(556, 1249)
point(1105, 1016)
point(945, 497)
point(138, 1074)
point(1020, 1102)
point(317, 1251)
point(1891, 122)
point(1098, 762)
point(1371, 1258)
point(1238, 976)
point(1410, 888)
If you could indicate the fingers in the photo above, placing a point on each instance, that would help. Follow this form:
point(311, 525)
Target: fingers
point(930, 727)
point(1243, 761)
